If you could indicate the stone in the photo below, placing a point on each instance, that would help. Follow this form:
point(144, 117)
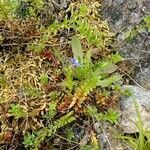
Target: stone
point(118, 2)
point(143, 77)
point(108, 2)
point(132, 5)
point(135, 18)
point(125, 15)
point(128, 109)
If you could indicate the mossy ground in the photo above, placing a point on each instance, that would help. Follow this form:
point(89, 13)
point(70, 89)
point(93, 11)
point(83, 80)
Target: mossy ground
point(32, 93)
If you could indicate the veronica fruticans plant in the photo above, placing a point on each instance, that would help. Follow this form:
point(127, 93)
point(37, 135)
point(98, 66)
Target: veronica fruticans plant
point(89, 75)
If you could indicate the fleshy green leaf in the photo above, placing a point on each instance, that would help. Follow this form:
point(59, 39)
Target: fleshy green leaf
point(17, 111)
point(109, 68)
point(43, 78)
point(108, 81)
point(115, 58)
point(77, 48)
point(147, 19)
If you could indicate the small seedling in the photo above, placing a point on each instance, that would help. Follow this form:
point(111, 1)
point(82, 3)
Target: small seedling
point(110, 116)
point(43, 78)
point(17, 111)
point(31, 91)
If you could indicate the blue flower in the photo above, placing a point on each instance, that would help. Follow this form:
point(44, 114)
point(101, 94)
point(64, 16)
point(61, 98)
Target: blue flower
point(75, 62)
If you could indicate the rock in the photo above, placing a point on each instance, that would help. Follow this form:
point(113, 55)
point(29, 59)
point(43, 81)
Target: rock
point(108, 2)
point(128, 109)
point(63, 3)
point(132, 5)
point(118, 2)
point(143, 77)
point(122, 16)
point(135, 18)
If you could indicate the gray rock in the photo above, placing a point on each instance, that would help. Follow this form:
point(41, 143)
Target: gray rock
point(108, 2)
point(118, 2)
point(135, 18)
point(143, 77)
point(128, 109)
point(142, 96)
point(122, 16)
point(132, 5)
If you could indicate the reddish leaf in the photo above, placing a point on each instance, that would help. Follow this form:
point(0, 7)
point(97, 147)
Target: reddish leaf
point(47, 55)
point(7, 136)
point(50, 57)
point(63, 107)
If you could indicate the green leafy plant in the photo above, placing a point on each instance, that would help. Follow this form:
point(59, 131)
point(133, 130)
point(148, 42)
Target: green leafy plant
point(90, 75)
point(7, 9)
point(80, 22)
point(70, 134)
point(40, 44)
point(29, 8)
point(147, 22)
point(17, 111)
point(77, 48)
point(110, 116)
point(33, 140)
point(32, 91)
point(43, 78)
point(69, 79)
point(52, 109)
point(133, 33)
